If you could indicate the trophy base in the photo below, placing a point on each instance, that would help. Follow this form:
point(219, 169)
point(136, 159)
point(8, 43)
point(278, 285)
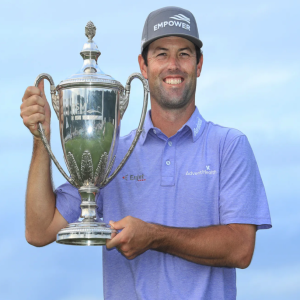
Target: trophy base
point(85, 234)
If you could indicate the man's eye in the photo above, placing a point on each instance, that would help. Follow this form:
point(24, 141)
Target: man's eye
point(162, 54)
point(184, 54)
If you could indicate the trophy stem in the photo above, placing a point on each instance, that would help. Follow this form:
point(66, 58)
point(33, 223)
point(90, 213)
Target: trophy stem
point(89, 231)
point(88, 206)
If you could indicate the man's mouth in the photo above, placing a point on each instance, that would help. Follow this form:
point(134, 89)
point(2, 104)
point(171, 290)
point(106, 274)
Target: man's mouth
point(174, 81)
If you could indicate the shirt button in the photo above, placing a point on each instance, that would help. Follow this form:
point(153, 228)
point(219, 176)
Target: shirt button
point(168, 162)
point(154, 131)
point(170, 143)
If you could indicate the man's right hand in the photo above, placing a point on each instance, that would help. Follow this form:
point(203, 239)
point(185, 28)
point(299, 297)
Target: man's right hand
point(35, 109)
point(43, 220)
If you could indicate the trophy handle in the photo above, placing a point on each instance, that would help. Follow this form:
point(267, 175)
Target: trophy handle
point(55, 104)
point(123, 105)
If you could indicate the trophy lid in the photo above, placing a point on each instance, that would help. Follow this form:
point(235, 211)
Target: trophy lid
point(90, 74)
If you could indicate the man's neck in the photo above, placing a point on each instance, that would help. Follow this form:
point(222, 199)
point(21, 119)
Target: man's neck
point(169, 121)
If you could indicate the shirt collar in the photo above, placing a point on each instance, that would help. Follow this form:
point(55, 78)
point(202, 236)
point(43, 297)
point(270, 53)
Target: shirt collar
point(195, 123)
point(148, 125)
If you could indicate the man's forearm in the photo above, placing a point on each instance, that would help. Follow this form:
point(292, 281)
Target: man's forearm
point(40, 198)
point(229, 245)
point(221, 246)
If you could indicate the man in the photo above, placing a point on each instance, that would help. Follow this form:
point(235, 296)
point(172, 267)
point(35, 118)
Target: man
point(192, 219)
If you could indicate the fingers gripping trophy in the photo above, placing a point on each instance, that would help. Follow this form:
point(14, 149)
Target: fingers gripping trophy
point(89, 106)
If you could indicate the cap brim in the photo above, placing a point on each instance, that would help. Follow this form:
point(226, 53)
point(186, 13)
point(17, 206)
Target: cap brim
point(194, 40)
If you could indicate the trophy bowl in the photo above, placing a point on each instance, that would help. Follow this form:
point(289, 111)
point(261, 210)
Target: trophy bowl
point(89, 106)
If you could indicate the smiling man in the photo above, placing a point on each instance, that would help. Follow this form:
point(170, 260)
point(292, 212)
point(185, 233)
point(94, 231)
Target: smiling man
point(184, 230)
point(188, 202)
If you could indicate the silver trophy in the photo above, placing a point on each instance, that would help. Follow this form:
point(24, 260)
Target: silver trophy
point(89, 106)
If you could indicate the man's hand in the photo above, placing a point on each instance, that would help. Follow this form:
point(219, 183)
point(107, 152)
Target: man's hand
point(35, 109)
point(134, 239)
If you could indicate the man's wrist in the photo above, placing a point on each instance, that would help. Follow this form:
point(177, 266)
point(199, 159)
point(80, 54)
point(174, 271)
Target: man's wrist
point(38, 139)
point(157, 236)
point(39, 147)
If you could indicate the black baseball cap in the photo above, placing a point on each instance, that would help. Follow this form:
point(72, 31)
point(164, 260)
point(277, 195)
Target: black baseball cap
point(170, 21)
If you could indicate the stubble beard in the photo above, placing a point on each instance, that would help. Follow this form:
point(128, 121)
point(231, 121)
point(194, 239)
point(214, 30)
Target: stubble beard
point(173, 99)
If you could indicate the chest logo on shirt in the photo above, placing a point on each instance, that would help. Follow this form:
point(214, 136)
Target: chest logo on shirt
point(207, 171)
point(129, 177)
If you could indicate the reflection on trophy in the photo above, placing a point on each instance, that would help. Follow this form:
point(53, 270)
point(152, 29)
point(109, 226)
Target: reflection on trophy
point(89, 106)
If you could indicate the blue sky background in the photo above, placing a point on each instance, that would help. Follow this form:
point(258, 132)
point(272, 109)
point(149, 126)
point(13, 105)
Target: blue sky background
point(249, 81)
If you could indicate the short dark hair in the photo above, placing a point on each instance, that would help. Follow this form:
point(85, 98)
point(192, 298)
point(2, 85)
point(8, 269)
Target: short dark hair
point(146, 49)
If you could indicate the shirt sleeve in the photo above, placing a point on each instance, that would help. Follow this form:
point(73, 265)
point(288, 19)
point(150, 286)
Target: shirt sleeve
point(242, 194)
point(68, 202)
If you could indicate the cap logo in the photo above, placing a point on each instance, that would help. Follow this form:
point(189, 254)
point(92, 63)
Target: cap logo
point(181, 17)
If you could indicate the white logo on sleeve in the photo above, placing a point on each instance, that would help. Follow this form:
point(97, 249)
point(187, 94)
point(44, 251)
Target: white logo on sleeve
point(208, 168)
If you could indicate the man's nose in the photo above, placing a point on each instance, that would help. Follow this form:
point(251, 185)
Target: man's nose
point(173, 63)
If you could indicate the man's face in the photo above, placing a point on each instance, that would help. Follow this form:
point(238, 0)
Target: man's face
point(172, 71)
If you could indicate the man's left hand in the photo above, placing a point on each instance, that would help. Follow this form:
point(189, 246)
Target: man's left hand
point(135, 238)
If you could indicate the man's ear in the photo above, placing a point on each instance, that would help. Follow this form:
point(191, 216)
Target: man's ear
point(143, 66)
point(199, 66)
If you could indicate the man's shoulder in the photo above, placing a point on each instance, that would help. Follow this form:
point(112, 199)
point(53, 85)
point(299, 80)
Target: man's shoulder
point(128, 138)
point(219, 133)
point(212, 131)
point(125, 141)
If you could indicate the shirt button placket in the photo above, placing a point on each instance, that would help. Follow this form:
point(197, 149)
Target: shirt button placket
point(168, 167)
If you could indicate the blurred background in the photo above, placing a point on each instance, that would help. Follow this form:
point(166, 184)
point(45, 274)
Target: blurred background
point(249, 81)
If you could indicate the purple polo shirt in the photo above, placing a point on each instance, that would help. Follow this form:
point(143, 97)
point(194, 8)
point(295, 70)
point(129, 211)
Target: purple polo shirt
point(204, 175)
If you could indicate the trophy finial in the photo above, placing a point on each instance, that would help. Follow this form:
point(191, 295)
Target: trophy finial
point(90, 50)
point(90, 30)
